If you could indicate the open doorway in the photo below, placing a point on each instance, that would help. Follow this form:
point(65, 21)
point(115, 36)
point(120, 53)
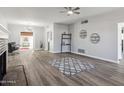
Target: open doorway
point(121, 43)
point(48, 41)
point(26, 40)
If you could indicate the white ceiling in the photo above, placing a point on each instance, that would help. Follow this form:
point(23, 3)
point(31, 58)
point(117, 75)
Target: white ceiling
point(43, 15)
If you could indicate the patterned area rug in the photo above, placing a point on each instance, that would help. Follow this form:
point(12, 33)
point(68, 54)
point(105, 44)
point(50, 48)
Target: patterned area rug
point(71, 66)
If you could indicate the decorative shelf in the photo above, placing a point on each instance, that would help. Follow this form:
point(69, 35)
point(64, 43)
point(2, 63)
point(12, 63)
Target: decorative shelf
point(65, 37)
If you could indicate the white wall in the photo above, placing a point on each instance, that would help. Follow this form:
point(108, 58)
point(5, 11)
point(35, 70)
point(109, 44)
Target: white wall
point(3, 21)
point(15, 30)
point(39, 37)
point(58, 30)
point(106, 26)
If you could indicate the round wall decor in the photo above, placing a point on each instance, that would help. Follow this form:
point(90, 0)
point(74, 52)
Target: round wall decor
point(83, 34)
point(95, 38)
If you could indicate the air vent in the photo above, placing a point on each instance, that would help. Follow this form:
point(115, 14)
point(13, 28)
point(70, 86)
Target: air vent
point(84, 22)
point(81, 51)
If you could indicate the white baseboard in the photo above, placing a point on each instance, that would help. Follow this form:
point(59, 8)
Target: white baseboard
point(108, 60)
point(39, 49)
point(58, 51)
point(55, 51)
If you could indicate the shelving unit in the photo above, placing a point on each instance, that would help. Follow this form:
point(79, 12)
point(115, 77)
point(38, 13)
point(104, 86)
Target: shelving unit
point(65, 38)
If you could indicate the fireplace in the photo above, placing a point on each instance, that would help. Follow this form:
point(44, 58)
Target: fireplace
point(4, 35)
point(3, 57)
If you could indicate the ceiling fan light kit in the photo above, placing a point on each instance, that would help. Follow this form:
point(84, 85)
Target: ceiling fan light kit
point(71, 10)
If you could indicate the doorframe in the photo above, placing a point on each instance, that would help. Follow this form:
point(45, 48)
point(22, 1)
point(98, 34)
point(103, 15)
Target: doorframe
point(119, 44)
point(32, 36)
point(48, 40)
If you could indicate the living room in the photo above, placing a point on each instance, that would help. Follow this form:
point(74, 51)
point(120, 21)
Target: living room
point(62, 46)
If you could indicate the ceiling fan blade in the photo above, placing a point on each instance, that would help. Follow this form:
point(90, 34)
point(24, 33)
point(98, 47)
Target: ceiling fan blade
point(66, 8)
point(77, 12)
point(77, 8)
point(63, 11)
point(70, 8)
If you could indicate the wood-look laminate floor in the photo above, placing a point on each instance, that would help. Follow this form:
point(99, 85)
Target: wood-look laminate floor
point(40, 72)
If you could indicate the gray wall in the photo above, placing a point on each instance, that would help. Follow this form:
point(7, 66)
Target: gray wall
point(106, 26)
point(58, 30)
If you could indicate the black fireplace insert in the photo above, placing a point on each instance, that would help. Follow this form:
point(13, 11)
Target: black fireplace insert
point(3, 57)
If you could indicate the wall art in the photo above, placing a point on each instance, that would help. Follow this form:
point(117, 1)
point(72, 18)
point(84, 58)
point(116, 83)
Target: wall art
point(83, 34)
point(95, 38)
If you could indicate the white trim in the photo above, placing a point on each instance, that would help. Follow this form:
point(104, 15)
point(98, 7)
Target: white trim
point(55, 51)
point(39, 49)
point(119, 51)
point(58, 51)
point(109, 60)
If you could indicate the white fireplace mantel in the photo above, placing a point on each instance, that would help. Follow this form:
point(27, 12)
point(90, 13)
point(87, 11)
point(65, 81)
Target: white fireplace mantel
point(4, 34)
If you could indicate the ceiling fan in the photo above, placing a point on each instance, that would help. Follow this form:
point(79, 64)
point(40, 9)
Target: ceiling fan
point(71, 10)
